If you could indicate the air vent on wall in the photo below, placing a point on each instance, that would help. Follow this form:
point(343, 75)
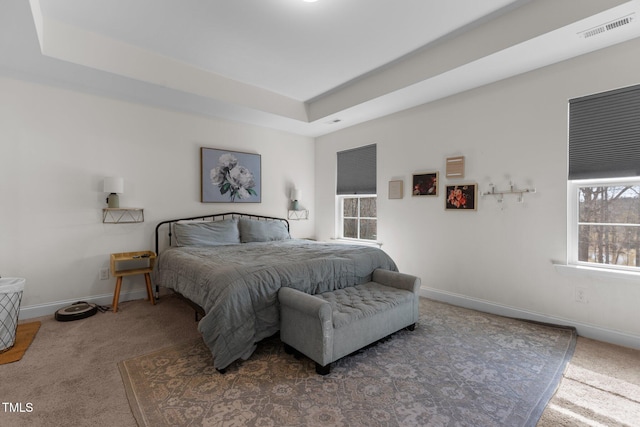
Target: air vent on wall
point(612, 25)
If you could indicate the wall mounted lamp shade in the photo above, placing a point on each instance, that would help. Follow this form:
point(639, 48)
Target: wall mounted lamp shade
point(295, 196)
point(113, 186)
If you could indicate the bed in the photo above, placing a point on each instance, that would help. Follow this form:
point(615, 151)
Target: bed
point(232, 265)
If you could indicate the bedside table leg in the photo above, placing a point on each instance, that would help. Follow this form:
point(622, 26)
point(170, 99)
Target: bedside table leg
point(116, 294)
point(147, 279)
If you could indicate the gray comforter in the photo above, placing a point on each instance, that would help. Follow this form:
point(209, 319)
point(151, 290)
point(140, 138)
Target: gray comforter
point(237, 285)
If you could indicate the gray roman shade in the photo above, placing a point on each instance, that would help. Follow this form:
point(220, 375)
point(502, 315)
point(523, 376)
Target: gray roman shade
point(357, 171)
point(604, 134)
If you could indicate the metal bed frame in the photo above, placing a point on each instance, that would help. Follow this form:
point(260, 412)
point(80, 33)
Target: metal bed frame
point(212, 217)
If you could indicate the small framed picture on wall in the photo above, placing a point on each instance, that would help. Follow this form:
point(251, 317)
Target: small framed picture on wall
point(461, 197)
point(425, 184)
point(395, 189)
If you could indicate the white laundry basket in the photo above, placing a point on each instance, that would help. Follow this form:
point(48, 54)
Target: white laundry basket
point(10, 296)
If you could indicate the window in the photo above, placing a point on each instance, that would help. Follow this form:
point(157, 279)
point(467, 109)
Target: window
point(604, 179)
point(359, 217)
point(356, 194)
point(609, 224)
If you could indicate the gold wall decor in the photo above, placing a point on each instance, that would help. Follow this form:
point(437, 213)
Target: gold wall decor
point(455, 167)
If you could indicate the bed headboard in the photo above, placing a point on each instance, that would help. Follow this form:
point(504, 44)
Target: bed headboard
point(166, 235)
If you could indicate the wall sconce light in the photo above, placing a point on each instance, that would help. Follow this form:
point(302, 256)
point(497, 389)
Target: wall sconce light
point(114, 186)
point(295, 196)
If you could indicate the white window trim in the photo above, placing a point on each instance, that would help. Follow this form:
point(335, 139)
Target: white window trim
point(596, 272)
point(573, 267)
point(340, 223)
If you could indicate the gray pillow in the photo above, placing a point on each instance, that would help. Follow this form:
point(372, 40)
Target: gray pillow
point(252, 230)
point(207, 233)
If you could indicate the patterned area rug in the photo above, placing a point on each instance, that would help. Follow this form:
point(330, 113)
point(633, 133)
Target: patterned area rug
point(459, 367)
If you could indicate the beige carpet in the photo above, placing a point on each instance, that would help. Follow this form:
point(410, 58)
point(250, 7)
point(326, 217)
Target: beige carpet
point(459, 367)
point(601, 387)
point(70, 372)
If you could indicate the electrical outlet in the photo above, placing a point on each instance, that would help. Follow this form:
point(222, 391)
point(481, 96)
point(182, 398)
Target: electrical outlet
point(581, 295)
point(103, 273)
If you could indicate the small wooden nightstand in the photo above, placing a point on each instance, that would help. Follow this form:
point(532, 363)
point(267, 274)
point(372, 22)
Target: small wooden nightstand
point(119, 274)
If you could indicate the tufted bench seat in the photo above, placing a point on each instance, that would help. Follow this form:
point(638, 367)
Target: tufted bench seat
point(331, 325)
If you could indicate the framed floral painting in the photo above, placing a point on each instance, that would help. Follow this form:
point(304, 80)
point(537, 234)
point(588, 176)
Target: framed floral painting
point(461, 197)
point(230, 176)
point(425, 184)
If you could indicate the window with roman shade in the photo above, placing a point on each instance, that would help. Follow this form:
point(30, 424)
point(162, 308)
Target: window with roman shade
point(604, 134)
point(604, 179)
point(356, 193)
point(357, 171)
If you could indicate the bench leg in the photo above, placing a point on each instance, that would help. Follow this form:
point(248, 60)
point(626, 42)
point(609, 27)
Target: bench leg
point(290, 350)
point(320, 370)
point(323, 370)
point(411, 327)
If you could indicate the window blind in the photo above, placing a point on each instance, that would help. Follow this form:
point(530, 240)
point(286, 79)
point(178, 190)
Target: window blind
point(357, 171)
point(604, 134)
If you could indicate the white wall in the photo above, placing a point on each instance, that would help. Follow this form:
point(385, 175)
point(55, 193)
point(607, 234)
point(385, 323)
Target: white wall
point(56, 146)
point(494, 259)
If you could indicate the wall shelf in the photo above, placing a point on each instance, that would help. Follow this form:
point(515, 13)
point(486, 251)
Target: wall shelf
point(122, 215)
point(298, 215)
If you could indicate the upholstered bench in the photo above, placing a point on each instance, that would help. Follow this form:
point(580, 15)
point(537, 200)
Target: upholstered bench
point(331, 325)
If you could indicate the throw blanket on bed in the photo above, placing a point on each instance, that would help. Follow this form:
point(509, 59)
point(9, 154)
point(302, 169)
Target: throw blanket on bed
point(237, 285)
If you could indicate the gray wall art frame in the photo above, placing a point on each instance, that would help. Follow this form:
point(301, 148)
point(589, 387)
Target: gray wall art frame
point(230, 176)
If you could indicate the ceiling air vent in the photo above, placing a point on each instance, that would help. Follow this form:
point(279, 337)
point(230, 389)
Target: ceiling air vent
point(601, 29)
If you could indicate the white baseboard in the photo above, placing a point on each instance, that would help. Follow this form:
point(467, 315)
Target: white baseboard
point(584, 329)
point(39, 310)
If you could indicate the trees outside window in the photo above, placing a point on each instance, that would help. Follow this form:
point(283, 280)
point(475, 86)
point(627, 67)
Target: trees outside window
point(359, 217)
point(604, 179)
point(609, 224)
